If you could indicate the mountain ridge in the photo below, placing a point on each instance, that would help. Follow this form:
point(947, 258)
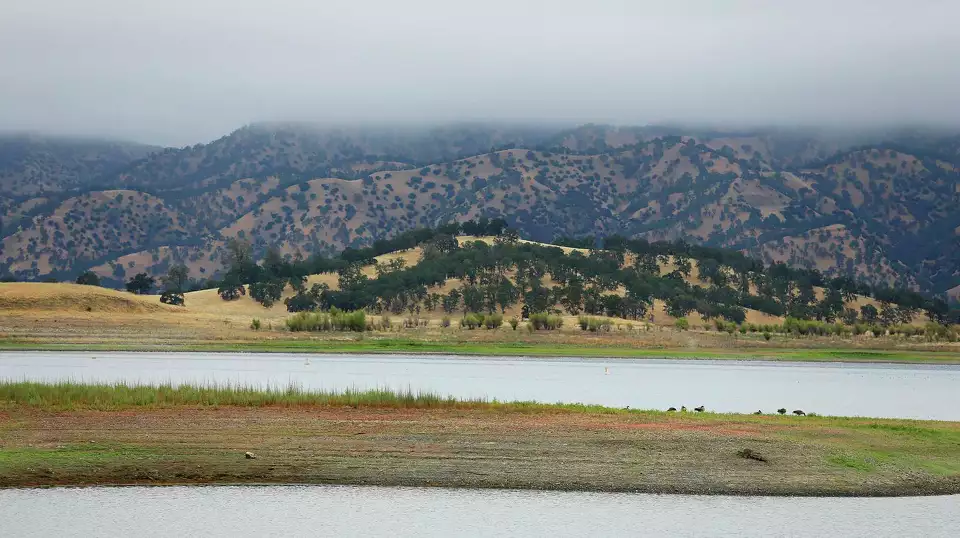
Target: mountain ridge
point(881, 211)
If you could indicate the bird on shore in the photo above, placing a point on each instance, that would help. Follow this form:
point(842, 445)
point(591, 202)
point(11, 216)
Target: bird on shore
point(799, 412)
point(759, 412)
point(606, 371)
point(700, 409)
point(672, 409)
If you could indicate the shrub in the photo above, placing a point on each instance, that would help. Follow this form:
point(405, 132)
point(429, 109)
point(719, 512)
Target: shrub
point(766, 336)
point(335, 320)
point(599, 325)
point(514, 322)
point(472, 320)
point(937, 332)
point(493, 321)
point(682, 324)
point(545, 322)
point(172, 298)
point(413, 322)
point(445, 322)
point(593, 324)
point(255, 324)
point(89, 278)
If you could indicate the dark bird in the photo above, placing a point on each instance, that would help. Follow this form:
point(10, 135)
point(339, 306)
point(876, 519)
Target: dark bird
point(699, 409)
point(798, 412)
point(782, 411)
point(759, 412)
point(672, 409)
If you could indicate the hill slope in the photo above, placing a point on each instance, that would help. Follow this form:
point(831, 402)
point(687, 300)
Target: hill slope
point(885, 211)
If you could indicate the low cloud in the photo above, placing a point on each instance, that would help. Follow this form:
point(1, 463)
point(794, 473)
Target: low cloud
point(180, 72)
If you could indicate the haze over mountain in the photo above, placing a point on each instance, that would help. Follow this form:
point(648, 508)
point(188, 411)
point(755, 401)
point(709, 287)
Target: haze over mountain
point(180, 72)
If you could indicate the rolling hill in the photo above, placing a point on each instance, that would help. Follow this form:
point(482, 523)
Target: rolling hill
point(207, 306)
point(881, 207)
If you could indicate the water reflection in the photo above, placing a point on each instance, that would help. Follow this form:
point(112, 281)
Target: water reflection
point(375, 511)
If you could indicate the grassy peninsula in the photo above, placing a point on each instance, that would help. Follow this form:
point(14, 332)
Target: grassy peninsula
point(75, 434)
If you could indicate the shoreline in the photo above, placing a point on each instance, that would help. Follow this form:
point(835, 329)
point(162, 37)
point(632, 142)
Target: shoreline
point(504, 349)
point(892, 493)
point(86, 435)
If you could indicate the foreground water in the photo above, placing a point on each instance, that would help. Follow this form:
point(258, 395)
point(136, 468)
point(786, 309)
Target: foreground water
point(876, 390)
point(374, 511)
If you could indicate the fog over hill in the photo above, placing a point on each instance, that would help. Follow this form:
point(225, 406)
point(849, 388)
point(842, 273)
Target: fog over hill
point(181, 72)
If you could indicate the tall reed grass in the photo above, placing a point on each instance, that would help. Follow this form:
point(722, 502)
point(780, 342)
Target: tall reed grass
point(335, 320)
point(592, 324)
point(68, 394)
point(545, 322)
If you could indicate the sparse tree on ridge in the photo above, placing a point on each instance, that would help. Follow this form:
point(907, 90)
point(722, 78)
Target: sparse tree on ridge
point(141, 284)
point(174, 283)
point(89, 278)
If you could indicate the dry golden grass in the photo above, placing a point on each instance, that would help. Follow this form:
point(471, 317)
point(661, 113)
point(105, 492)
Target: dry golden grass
point(24, 296)
point(488, 239)
point(410, 257)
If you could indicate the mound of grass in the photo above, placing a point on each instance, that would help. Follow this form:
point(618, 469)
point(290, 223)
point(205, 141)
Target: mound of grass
point(73, 298)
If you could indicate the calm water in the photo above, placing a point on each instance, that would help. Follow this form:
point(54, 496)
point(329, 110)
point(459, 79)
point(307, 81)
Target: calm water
point(905, 391)
point(372, 511)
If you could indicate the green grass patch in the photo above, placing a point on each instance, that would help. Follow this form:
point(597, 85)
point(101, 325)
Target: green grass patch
point(918, 432)
point(939, 466)
point(852, 462)
point(377, 344)
point(77, 454)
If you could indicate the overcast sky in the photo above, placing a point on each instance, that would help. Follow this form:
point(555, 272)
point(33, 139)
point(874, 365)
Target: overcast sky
point(185, 71)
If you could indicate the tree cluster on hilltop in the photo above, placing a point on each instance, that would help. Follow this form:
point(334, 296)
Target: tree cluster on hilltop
point(621, 279)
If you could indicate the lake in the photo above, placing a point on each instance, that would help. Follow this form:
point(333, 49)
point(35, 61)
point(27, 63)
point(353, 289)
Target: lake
point(876, 390)
point(375, 511)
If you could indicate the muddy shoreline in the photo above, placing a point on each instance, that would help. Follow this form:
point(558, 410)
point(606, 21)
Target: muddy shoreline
point(464, 448)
